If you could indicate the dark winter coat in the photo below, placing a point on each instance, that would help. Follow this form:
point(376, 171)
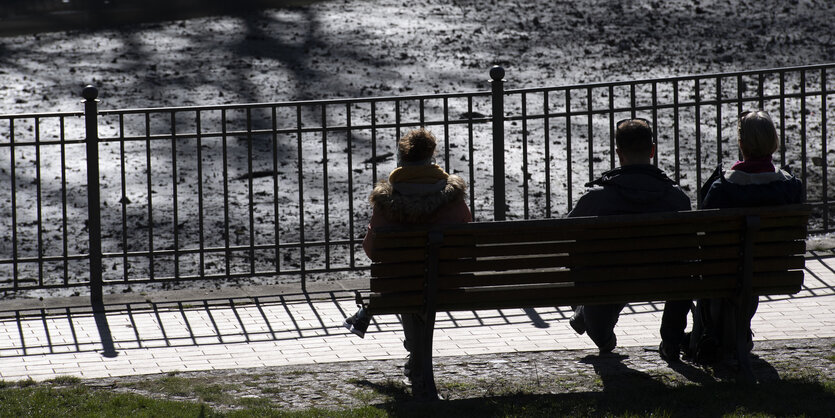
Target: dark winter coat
point(639, 188)
point(737, 189)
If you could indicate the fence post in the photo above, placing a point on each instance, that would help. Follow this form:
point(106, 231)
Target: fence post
point(499, 198)
point(90, 94)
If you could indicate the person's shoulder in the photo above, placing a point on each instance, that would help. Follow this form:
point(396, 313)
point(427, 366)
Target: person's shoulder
point(682, 200)
point(590, 203)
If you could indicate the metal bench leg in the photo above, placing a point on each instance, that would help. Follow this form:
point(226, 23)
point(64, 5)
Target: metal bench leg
point(744, 302)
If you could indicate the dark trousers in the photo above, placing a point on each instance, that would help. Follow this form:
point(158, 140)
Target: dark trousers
point(712, 321)
point(674, 321)
point(600, 321)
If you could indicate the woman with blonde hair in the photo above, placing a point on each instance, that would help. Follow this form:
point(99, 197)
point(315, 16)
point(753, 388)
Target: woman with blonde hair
point(754, 181)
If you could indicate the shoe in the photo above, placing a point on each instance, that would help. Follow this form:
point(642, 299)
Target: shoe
point(358, 323)
point(669, 353)
point(407, 368)
point(578, 322)
point(609, 346)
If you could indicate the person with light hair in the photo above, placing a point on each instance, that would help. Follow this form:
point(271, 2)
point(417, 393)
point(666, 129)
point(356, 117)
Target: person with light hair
point(754, 181)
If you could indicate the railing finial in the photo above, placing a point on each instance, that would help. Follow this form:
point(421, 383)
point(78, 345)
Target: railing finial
point(497, 72)
point(90, 92)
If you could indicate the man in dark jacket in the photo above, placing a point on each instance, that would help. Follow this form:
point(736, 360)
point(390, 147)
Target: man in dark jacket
point(635, 187)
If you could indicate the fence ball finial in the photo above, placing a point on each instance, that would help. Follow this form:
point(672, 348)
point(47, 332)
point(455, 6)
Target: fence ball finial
point(90, 92)
point(497, 72)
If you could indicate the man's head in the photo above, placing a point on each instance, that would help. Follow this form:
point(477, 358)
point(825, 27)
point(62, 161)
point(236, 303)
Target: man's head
point(757, 135)
point(417, 147)
point(633, 139)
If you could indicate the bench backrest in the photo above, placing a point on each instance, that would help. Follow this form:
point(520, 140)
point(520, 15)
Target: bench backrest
point(570, 261)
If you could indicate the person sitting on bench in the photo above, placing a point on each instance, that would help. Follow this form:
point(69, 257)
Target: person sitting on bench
point(754, 181)
point(635, 187)
point(417, 192)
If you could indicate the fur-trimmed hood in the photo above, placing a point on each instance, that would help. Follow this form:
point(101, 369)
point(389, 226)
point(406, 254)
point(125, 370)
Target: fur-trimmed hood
point(414, 203)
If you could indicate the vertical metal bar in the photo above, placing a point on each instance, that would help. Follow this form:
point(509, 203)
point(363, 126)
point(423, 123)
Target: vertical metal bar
point(300, 164)
point(471, 153)
point(124, 199)
point(225, 170)
point(250, 194)
point(38, 200)
point(326, 187)
point(633, 101)
point(397, 120)
point(719, 120)
point(739, 108)
point(90, 94)
point(374, 143)
point(676, 136)
point(547, 126)
point(612, 151)
point(803, 127)
point(698, 122)
point(782, 118)
point(525, 171)
point(568, 177)
point(276, 217)
point(745, 296)
point(655, 121)
point(590, 122)
point(499, 196)
point(13, 178)
point(760, 91)
point(64, 233)
point(175, 201)
point(350, 135)
point(201, 231)
point(151, 260)
point(421, 106)
point(824, 151)
point(447, 168)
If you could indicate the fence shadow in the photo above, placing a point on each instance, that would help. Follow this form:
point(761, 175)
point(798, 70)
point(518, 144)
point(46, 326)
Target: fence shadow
point(117, 327)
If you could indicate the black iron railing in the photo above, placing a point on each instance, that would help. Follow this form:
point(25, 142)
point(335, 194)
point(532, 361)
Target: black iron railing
point(277, 192)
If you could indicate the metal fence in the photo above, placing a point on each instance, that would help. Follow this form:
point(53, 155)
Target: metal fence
point(277, 192)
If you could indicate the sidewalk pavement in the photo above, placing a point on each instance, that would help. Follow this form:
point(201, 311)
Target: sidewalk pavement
point(266, 331)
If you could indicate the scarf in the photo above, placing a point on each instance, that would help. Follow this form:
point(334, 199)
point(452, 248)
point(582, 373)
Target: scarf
point(420, 174)
point(755, 165)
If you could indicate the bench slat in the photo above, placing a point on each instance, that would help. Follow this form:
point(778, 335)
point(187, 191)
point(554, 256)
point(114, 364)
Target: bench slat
point(633, 291)
point(785, 282)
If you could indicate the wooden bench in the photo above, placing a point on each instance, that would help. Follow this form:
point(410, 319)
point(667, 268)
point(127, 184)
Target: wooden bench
point(724, 253)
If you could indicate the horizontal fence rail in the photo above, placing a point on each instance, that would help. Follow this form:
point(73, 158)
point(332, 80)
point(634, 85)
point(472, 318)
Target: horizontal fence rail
point(277, 192)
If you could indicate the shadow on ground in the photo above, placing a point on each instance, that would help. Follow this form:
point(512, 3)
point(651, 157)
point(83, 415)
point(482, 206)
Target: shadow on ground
point(639, 395)
point(23, 16)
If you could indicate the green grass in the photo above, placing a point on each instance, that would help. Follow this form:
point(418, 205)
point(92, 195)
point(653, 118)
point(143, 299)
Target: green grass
point(202, 389)
point(634, 395)
point(45, 401)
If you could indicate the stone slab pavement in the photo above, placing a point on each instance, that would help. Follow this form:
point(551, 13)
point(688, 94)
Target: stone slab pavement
point(268, 331)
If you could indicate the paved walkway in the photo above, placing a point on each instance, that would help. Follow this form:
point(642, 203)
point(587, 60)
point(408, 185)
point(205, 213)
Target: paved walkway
point(157, 337)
